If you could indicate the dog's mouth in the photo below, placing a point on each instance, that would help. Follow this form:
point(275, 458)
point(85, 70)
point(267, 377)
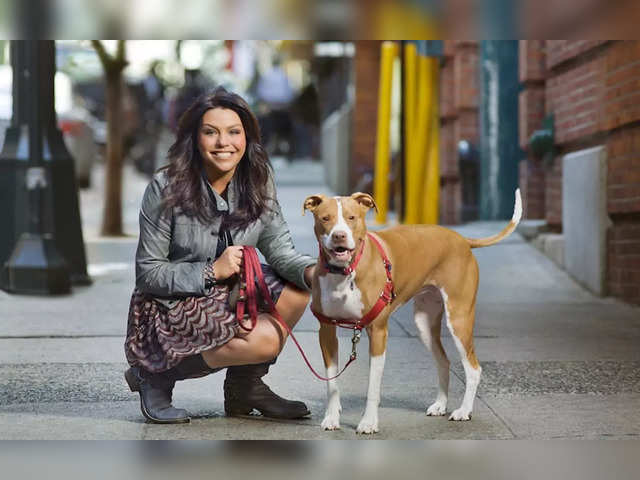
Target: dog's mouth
point(341, 254)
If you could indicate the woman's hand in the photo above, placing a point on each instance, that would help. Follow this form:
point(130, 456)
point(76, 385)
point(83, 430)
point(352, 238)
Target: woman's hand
point(308, 275)
point(228, 263)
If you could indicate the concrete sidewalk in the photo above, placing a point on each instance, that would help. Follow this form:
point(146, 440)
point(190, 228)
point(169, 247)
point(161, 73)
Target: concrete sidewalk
point(558, 362)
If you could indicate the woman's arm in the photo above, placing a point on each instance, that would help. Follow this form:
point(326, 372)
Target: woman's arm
point(276, 245)
point(155, 274)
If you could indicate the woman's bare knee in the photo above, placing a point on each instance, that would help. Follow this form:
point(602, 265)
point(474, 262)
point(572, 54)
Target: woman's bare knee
point(267, 351)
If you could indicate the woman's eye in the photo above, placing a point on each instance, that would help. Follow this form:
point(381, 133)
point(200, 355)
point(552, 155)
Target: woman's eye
point(235, 132)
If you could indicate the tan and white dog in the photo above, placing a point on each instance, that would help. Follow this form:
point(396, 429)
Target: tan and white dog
point(431, 264)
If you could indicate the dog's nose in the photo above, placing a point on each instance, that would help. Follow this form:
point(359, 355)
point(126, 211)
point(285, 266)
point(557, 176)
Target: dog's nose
point(339, 236)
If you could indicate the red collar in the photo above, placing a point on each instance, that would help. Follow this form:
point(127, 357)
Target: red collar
point(386, 297)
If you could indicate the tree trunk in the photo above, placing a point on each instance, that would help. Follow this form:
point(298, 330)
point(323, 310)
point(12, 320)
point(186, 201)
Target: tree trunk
point(112, 215)
point(113, 67)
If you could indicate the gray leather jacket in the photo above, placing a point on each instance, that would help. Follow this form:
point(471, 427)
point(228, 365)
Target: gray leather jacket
point(173, 248)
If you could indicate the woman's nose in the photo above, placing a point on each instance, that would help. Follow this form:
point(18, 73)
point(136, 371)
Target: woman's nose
point(223, 139)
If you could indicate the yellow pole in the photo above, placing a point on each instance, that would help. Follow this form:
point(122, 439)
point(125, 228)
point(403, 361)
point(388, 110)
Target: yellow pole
point(416, 166)
point(410, 60)
point(432, 194)
point(383, 154)
point(410, 100)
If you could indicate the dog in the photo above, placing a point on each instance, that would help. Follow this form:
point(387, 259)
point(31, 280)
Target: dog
point(429, 263)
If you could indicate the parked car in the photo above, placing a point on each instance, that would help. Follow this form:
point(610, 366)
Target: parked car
point(73, 120)
point(76, 123)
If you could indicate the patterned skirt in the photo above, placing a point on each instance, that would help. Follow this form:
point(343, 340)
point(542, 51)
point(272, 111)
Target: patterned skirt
point(158, 338)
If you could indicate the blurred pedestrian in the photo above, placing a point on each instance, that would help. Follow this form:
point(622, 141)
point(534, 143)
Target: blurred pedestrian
point(194, 85)
point(216, 194)
point(275, 94)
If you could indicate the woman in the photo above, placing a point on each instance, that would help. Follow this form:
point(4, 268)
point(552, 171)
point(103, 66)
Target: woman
point(216, 194)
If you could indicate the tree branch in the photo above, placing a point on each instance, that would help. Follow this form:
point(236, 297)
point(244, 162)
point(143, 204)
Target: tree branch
point(111, 64)
point(120, 52)
point(102, 53)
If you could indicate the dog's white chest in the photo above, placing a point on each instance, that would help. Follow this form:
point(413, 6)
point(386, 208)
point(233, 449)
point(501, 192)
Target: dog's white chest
point(340, 297)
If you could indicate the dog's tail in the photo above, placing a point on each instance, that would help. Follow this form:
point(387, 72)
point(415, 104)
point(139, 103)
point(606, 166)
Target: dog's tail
point(517, 214)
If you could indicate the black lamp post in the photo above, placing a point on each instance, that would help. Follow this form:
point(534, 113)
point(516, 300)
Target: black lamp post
point(37, 184)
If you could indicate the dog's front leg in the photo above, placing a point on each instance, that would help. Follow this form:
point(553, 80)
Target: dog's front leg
point(329, 347)
point(377, 354)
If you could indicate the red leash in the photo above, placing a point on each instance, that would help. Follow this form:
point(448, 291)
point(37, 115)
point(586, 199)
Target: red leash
point(249, 295)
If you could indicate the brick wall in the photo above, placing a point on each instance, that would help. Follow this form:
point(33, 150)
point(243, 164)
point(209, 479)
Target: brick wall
point(459, 120)
point(575, 97)
point(623, 205)
point(574, 94)
point(532, 183)
point(531, 111)
point(623, 273)
point(365, 112)
point(553, 193)
point(560, 51)
point(623, 176)
point(621, 93)
point(593, 89)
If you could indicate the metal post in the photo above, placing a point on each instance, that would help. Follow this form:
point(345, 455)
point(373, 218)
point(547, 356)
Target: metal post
point(43, 239)
point(499, 146)
point(35, 266)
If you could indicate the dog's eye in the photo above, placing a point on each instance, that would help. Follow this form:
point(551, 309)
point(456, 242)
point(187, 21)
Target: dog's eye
point(325, 218)
point(352, 217)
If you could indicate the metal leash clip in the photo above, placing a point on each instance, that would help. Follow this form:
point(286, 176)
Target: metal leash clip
point(354, 341)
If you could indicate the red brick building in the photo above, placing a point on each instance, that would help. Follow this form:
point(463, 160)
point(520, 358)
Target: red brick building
point(592, 88)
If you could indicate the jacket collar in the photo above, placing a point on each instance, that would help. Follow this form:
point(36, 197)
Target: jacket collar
point(222, 205)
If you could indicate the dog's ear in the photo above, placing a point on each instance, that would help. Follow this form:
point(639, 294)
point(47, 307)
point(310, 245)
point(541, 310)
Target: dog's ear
point(365, 200)
point(312, 202)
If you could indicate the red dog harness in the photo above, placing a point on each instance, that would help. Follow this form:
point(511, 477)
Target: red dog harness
point(386, 297)
point(248, 299)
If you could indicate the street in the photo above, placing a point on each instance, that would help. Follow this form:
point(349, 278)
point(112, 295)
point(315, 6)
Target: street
point(557, 361)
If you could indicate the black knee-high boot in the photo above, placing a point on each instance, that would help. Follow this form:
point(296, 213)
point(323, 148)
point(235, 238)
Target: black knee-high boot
point(156, 389)
point(244, 390)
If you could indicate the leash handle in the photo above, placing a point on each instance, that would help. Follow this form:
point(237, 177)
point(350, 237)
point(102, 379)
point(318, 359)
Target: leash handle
point(248, 294)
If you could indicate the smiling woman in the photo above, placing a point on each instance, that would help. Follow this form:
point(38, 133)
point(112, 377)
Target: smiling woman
point(212, 126)
point(216, 195)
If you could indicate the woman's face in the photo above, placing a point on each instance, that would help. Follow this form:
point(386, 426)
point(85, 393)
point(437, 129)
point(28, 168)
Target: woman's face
point(221, 140)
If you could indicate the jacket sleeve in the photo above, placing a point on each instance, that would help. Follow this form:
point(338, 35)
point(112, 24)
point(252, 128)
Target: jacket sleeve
point(155, 274)
point(276, 245)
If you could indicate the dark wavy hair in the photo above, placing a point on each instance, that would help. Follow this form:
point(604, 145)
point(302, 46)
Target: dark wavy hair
point(185, 169)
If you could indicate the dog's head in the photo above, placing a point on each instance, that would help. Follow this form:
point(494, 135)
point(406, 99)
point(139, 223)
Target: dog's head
point(339, 224)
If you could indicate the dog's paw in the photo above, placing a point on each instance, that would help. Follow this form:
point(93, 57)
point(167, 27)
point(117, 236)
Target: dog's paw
point(331, 422)
point(460, 415)
point(437, 409)
point(368, 425)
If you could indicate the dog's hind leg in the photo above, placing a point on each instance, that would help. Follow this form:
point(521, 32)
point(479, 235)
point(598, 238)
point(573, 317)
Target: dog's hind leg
point(329, 347)
point(427, 315)
point(460, 323)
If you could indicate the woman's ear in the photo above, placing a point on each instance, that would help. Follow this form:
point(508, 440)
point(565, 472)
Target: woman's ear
point(365, 200)
point(312, 202)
